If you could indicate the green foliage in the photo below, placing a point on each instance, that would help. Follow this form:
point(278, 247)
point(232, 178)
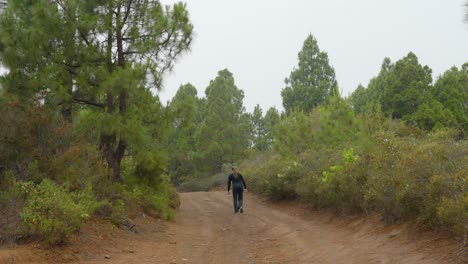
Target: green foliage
point(203, 184)
point(453, 213)
point(432, 115)
point(107, 55)
point(374, 165)
point(53, 213)
point(404, 90)
point(263, 126)
point(362, 100)
point(77, 167)
point(406, 86)
point(451, 90)
point(312, 83)
point(86, 137)
point(225, 132)
point(184, 113)
point(11, 202)
point(327, 126)
point(33, 134)
point(259, 130)
point(270, 120)
point(158, 200)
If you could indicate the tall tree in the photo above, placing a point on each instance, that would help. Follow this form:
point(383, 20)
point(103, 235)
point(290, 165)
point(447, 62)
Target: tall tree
point(312, 82)
point(142, 40)
point(369, 100)
point(406, 87)
point(184, 112)
point(259, 129)
point(263, 126)
point(29, 32)
point(111, 53)
point(270, 120)
point(404, 90)
point(225, 132)
point(451, 90)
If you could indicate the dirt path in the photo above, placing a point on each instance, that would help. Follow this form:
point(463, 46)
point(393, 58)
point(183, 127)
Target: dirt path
point(207, 231)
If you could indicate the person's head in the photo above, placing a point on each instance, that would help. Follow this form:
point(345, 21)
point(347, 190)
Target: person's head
point(234, 171)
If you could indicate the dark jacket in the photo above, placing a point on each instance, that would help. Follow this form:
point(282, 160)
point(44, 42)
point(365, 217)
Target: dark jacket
point(236, 182)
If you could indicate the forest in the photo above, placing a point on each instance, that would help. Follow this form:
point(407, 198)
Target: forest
point(85, 136)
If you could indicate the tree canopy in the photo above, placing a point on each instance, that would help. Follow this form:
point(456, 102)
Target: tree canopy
point(405, 90)
point(103, 54)
point(312, 82)
point(224, 133)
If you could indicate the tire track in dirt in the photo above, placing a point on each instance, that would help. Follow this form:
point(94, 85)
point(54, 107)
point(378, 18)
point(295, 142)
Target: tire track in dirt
point(221, 236)
point(266, 235)
point(206, 231)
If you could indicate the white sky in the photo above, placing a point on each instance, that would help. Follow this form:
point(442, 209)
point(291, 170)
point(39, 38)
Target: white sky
point(258, 41)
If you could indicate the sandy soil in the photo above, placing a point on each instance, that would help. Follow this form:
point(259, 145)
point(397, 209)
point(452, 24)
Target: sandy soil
point(207, 231)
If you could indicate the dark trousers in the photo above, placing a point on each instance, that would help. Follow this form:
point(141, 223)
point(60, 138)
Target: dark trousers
point(237, 196)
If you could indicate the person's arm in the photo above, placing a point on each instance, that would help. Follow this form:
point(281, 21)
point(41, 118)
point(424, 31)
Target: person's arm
point(229, 182)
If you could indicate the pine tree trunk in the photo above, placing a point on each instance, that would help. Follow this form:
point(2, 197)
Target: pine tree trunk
point(112, 154)
point(67, 103)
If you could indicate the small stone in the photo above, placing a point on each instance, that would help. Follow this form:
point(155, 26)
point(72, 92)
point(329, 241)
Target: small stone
point(76, 251)
point(107, 256)
point(173, 242)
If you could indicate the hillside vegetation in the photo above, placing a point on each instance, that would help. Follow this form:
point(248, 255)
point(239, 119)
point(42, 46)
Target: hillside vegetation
point(84, 136)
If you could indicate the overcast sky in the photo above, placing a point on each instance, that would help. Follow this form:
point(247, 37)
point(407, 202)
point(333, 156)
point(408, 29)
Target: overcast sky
point(258, 41)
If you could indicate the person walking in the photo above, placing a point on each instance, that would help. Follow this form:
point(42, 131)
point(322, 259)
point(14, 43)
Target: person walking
point(238, 186)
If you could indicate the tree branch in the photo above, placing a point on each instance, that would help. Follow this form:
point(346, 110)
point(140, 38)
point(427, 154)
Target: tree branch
point(127, 12)
point(88, 102)
point(82, 35)
point(130, 52)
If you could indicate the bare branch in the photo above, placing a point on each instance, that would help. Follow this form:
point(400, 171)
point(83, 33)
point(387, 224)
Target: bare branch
point(127, 12)
point(87, 102)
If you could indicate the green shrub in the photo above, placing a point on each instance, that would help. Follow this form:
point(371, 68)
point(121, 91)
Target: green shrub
point(202, 184)
point(77, 166)
point(118, 211)
point(272, 176)
point(158, 200)
point(11, 203)
point(86, 200)
point(453, 213)
point(342, 184)
point(372, 165)
point(54, 214)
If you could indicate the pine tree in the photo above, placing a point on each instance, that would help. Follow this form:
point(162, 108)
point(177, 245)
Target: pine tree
point(105, 55)
point(184, 111)
point(312, 82)
point(225, 132)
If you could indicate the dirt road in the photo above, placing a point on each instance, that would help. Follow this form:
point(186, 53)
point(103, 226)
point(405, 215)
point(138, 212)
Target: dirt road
point(207, 231)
